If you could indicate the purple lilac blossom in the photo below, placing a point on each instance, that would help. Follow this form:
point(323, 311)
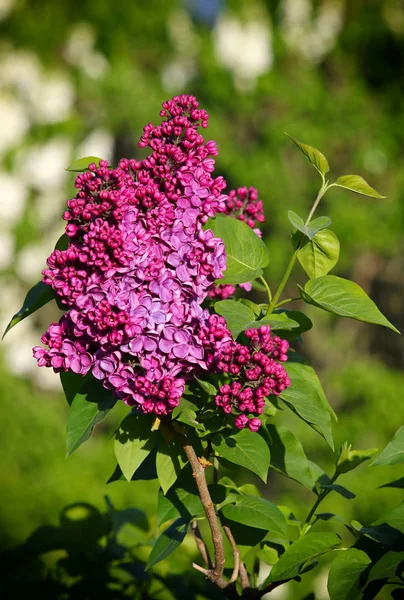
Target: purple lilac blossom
point(138, 267)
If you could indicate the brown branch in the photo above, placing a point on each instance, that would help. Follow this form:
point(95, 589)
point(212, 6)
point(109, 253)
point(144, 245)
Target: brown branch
point(245, 584)
point(216, 573)
point(201, 544)
point(236, 554)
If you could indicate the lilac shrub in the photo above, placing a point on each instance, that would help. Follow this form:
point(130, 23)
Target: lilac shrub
point(150, 275)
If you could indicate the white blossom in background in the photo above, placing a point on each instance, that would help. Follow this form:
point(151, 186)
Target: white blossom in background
point(32, 258)
point(177, 73)
point(14, 123)
point(6, 249)
point(43, 166)
point(245, 48)
point(54, 100)
point(6, 6)
point(312, 35)
point(13, 199)
point(99, 143)
point(48, 97)
point(80, 52)
point(49, 207)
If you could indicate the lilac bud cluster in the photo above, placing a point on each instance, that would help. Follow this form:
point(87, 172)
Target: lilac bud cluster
point(257, 374)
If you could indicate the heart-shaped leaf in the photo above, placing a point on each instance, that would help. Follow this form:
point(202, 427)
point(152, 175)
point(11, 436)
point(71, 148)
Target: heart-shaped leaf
point(246, 449)
point(320, 254)
point(133, 443)
point(246, 253)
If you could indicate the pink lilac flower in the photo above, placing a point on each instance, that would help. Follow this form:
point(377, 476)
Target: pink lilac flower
point(138, 267)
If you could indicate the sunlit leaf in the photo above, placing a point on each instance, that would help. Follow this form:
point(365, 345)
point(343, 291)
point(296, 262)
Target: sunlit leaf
point(317, 159)
point(133, 443)
point(304, 550)
point(393, 454)
point(245, 449)
point(256, 512)
point(356, 183)
point(246, 253)
point(344, 580)
point(319, 255)
point(344, 298)
point(81, 165)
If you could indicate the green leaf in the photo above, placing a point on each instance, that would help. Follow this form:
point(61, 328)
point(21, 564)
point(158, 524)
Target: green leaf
point(296, 221)
point(345, 298)
point(38, 296)
point(185, 412)
point(356, 183)
point(317, 159)
point(182, 500)
point(81, 165)
point(246, 253)
point(169, 463)
point(168, 541)
point(246, 537)
point(397, 483)
point(72, 383)
point(89, 406)
point(207, 387)
point(311, 228)
point(388, 530)
point(133, 442)
point(393, 454)
point(146, 471)
point(344, 580)
point(295, 315)
point(287, 455)
point(302, 551)
point(62, 243)
point(239, 318)
point(246, 449)
point(386, 566)
point(317, 225)
point(339, 489)
point(306, 398)
point(256, 512)
point(349, 459)
point(320, 254)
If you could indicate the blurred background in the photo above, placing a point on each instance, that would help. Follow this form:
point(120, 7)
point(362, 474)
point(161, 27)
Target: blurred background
point(82, 78)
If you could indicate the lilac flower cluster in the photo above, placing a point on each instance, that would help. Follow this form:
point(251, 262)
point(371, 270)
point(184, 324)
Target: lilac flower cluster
point(139, 265)
point(258, 374)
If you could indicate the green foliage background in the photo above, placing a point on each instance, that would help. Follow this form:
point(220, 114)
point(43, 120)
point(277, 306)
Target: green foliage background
point(336, 83)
